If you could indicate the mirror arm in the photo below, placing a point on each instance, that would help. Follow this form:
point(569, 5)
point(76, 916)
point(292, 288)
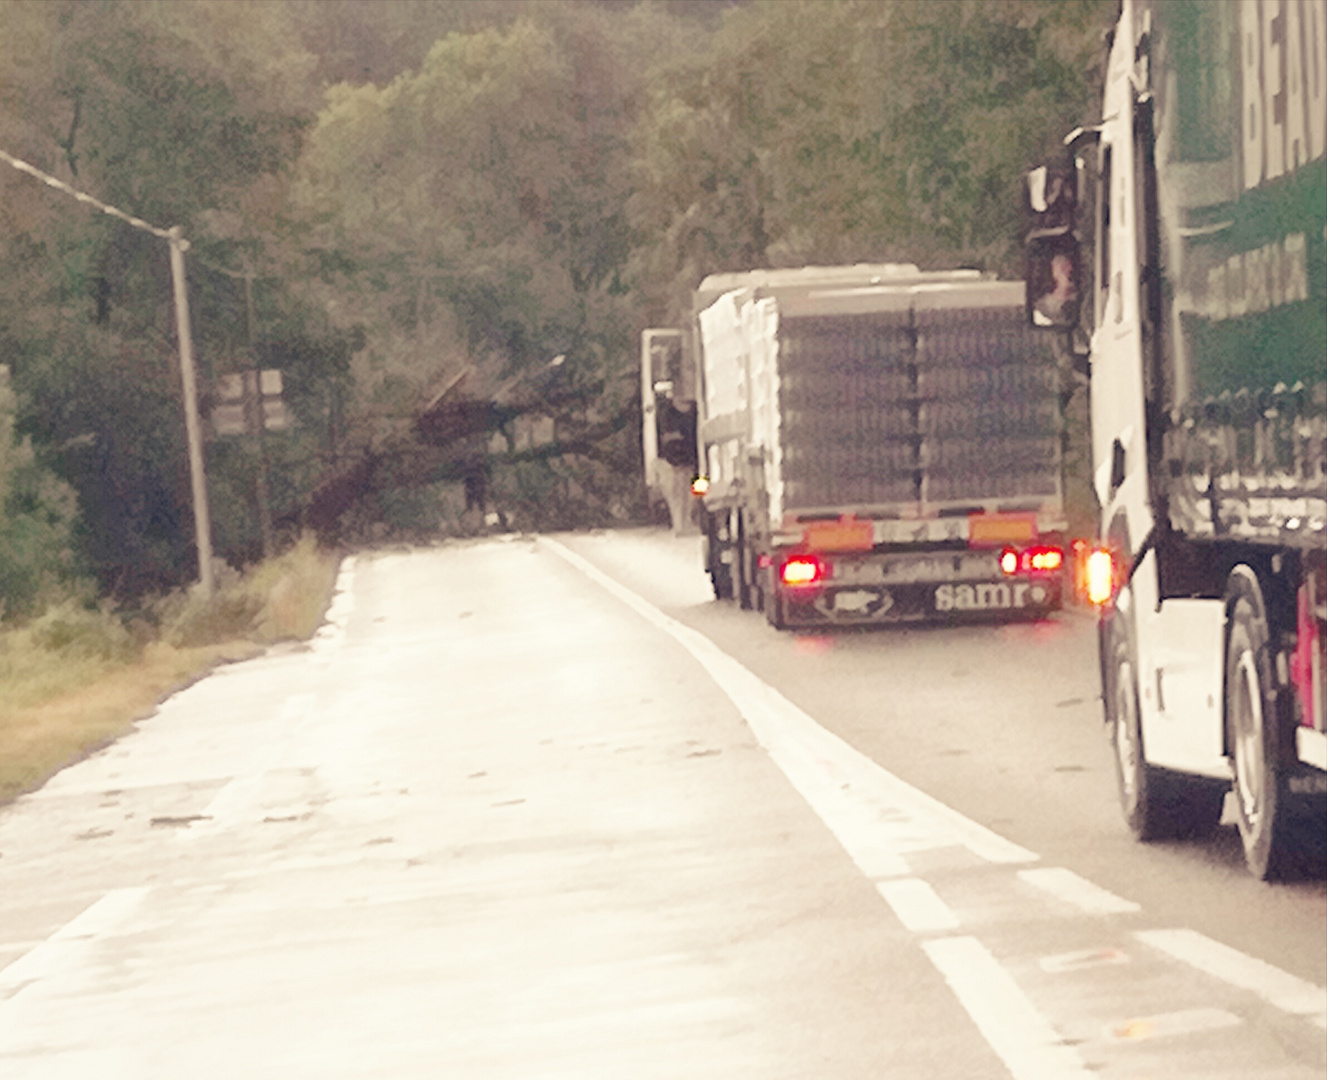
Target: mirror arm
point(1083, 137)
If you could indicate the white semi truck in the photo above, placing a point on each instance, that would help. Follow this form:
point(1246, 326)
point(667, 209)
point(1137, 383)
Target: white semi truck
point(874, 443)
point(1181, 251)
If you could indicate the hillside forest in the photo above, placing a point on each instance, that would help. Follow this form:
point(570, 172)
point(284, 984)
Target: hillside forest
point(401, 202)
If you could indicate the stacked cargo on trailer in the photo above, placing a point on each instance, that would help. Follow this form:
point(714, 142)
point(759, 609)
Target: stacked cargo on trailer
point(877, 444)
point(1194, 284)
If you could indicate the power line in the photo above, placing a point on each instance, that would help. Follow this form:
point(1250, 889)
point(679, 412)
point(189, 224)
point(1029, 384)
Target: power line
point(83, 197)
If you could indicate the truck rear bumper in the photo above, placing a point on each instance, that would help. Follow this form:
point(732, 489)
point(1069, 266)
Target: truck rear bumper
point(860, 604)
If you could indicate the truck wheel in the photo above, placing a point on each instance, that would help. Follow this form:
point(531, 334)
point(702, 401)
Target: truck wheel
point(721, 577)
point(1157, 805)
point(745, 590)
point(774, 606)
point(1261, 805)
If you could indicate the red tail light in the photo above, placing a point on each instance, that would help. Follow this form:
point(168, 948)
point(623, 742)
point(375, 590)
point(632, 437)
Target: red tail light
point(1046, 559)
point(1043, 560)
point(802, 570)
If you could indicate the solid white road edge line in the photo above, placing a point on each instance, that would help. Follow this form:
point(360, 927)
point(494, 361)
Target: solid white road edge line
point(917, 905)
point(1027, 1044)
point(62, 949)
point(1276, 987)
point(1067, 886)
point(791, 737)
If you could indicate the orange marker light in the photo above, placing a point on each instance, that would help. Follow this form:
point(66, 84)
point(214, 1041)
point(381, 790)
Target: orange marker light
point(1047, 559)
point(700, 485)
point(801, 570)
point(1100, 576)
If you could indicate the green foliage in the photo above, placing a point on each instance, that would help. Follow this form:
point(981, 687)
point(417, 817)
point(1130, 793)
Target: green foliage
point(38, 518)
point(827, 131)
point(73, 631)
point(424, 188)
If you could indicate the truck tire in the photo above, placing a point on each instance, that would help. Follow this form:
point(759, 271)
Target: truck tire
point(774, 605)
point(721, 577)
point(1262, 806)
point(744, 567)
point(1157, 805)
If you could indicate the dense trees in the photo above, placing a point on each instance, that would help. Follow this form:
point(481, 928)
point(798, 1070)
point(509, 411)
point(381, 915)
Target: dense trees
point(416, 189)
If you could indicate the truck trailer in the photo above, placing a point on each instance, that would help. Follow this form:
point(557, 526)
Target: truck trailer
point(874, 444)
point(1180, 252)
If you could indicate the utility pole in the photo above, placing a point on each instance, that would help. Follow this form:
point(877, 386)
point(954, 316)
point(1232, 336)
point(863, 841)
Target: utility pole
point(257, 419)
point(193, 429)
point(178, 246)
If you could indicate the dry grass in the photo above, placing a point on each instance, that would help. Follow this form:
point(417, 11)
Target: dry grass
point(39, 739)
point(74, 681)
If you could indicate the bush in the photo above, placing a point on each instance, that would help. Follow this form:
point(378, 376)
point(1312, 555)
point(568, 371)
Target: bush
point(74, 631)
point(38, 518)
point(280, 599)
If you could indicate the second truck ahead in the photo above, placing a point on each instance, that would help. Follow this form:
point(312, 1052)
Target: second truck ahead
point(874, 443)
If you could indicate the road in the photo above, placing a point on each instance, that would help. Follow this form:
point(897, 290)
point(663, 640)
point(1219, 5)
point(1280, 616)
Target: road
point(542, 809)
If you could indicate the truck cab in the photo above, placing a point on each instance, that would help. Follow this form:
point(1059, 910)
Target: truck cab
point(1192, 224)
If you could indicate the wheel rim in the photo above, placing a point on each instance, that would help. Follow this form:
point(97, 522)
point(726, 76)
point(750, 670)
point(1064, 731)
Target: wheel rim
point(1249, 763)
point(1127, 749)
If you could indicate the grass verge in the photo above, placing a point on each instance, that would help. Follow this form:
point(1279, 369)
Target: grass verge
point(73, 681)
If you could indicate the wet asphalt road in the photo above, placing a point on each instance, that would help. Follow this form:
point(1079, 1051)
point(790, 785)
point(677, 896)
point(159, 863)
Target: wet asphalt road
point(1003, 722)
point(509, 819)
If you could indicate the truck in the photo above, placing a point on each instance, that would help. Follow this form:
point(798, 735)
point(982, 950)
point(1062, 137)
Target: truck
point(873, 444)
point(1178, 254)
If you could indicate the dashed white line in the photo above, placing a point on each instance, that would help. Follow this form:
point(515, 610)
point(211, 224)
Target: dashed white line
point(1286, 992)
point(917, 905)
point(241, 793)
point(854, 797)
point(1024, 1040)
point(57, 951)
point(1067, 886)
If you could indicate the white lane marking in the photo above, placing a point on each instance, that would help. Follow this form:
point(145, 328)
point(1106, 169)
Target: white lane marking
point(917, 905)
point(59, 951)
point(241, 794)
point(820, 765)
point(1023, 1038)
point(1065, 885)
point(1164, 1025)
point(1276, 987)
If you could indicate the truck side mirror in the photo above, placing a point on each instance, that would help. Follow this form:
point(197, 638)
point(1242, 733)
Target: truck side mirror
point(1053, 259)
point(1053, 270)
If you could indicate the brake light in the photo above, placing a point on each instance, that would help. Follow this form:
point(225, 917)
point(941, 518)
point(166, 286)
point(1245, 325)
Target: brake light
point(1044, 558)
point(1100, 576)
point(802, 570)
point(700, 485)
